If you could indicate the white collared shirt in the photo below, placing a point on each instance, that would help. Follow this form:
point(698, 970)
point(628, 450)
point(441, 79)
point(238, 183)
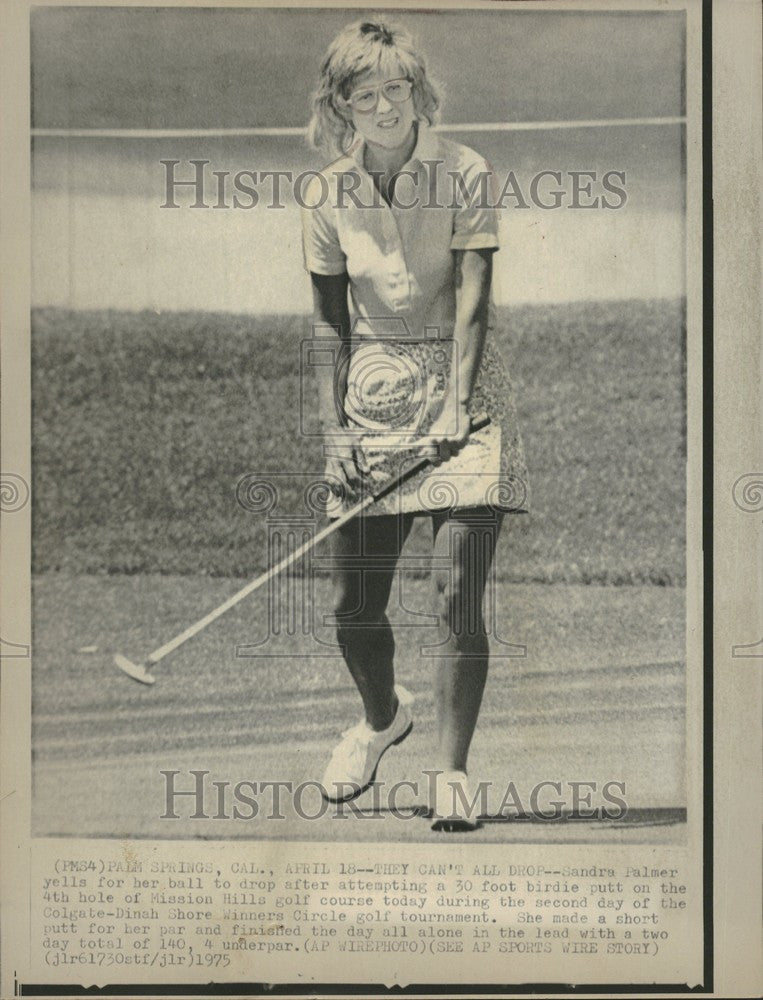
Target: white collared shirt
point(400, 258)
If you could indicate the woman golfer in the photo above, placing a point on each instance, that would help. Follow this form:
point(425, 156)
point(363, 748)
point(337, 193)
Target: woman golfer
point(398, 238)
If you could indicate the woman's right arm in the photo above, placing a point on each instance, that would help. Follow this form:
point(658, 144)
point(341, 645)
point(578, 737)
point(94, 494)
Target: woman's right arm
point(331, 318)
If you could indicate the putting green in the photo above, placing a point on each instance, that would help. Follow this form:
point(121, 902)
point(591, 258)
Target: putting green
point(598, 696)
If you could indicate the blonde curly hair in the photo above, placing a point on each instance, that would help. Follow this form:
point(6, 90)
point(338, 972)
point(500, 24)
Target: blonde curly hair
point(366, 46)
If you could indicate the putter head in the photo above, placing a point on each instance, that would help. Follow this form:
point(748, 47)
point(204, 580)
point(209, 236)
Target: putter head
point(135, 670)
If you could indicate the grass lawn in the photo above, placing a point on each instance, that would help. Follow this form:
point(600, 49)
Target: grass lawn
point(144, 423)
point(143, 426)
point(599, 695)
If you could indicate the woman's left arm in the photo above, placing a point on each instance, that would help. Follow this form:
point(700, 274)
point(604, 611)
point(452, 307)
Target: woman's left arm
point(474, 271)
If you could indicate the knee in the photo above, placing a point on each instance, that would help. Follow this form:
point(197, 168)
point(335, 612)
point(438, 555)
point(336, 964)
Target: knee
point(345, 600)
point(360, 622)
point(354, 604)
point(458, 605)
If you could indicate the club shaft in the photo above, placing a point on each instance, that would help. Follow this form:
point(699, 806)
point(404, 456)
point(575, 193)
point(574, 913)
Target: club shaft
point(266, 577)
point(158, 654)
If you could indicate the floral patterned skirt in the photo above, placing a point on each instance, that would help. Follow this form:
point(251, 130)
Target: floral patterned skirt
point(395, 390)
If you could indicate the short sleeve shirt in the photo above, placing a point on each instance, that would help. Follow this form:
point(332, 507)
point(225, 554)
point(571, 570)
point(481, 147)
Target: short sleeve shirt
point(399, 257)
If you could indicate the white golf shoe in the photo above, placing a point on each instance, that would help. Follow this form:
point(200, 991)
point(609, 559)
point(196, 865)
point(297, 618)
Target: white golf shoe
point(452, 809)
point(353, 764)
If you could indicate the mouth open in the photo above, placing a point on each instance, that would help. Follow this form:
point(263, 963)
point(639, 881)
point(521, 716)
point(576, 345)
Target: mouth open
point(388, 123)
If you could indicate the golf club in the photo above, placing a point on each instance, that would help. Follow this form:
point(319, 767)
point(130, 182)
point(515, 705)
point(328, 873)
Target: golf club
point(140, 671)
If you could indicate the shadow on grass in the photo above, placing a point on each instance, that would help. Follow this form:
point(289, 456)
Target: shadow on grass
point(647, 817)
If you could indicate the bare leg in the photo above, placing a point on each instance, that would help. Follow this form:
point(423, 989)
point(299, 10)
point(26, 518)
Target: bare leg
point(364, 554)
point(464, 545)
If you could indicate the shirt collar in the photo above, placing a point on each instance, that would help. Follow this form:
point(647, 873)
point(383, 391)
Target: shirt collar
point(426, 148)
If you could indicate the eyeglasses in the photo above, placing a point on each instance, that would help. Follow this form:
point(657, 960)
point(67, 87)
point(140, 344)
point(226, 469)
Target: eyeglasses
point(367, 98)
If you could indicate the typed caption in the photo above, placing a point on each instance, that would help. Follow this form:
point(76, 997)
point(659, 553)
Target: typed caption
point(145, 913)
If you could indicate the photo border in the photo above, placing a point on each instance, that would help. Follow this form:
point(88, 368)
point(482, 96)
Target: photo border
point(708, 467)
